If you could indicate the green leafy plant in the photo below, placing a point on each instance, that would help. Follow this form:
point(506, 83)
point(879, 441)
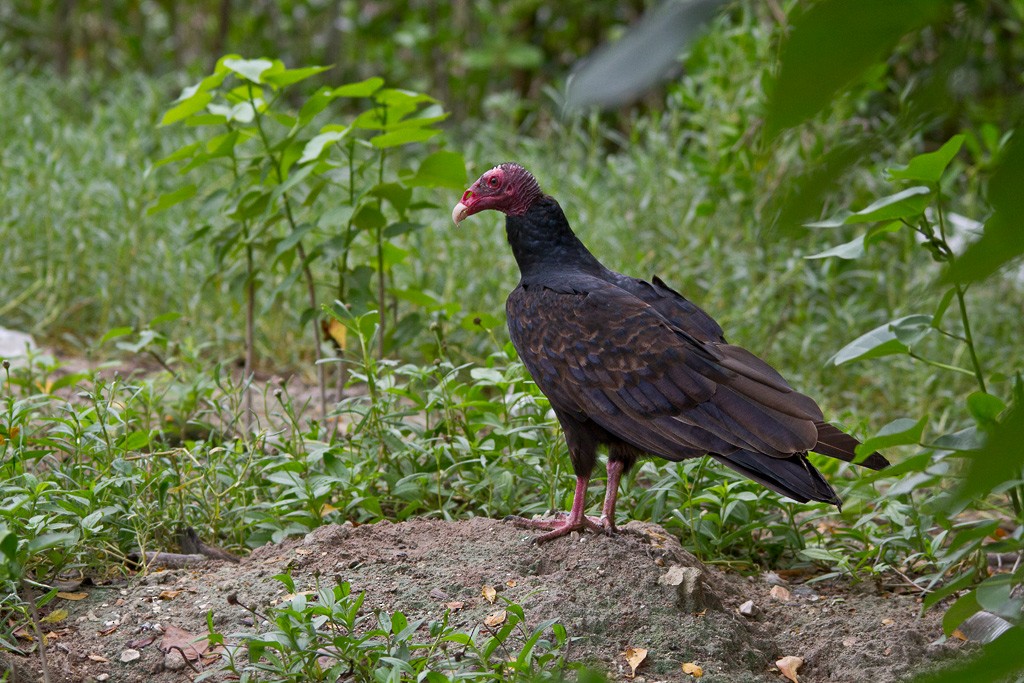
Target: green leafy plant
point(325, 634)
point(949, 551)
point(290, 184)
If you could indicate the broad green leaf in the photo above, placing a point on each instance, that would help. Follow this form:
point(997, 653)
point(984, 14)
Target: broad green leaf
point(912, 329)
point(314, 149)
point(116, 332)
point(185, 152)
point(396, 194)
point(851, 250)
point(171, 198)
point(833, 43)
point(441, 169)
point(316, 103)
point(880, 341)
point(187, 108)
point(940, 310)
point(905, 204)
point(361, 89)
point(1003, 238)
point(901, 432)
point(369, 217)
point(401, 228)
point(985, 408)
point(836, 221)
point(403, 136)
point(928, 168)
point(8, 544)
point(959, 611)
point(52, 540)
point(249, 69)
point(968, 439)
point(290, 76)
point(999, 660)
point(994, 593)
point(999, 460)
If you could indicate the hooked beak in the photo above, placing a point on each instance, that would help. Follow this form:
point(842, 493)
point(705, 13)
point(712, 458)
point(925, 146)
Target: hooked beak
point(459, 213)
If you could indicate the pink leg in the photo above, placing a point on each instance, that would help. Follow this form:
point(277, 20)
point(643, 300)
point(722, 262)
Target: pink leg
point(576, 521)
point(615, 470)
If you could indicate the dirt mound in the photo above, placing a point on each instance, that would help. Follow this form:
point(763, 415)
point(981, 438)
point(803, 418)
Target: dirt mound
point(639, 589)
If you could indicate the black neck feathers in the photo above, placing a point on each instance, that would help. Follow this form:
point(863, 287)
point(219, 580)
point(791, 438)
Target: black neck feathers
point(543, 243)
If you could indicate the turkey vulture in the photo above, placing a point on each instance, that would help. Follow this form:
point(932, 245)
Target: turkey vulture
point(636, 367)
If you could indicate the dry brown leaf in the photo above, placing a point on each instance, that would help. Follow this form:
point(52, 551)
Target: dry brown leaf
point(788, 666)
point(693, 670)
point(496, 619)
point(98, 658)
point(327, 509)
point(107, 631)
point(142, 642)
point(959, 635)
point(887, 622)
point(337, 331)
point(192, 647)
point(780, 593)
point(72, 596)
point(489, 593)
point(635, 656)
point(169, 595)
point(290, 596)
point(455, 606)
point(55, 617)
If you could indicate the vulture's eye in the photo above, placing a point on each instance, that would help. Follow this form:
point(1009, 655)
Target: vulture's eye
point(493, 181)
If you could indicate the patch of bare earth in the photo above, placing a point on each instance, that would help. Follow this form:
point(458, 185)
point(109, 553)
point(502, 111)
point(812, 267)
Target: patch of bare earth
point(639, 589)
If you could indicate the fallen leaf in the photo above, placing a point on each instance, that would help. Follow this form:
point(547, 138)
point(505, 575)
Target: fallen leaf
point(780, 593)
point(959, 635)
point(511, 583)
point(693, 670)
point(130, 655)
point(108, 631)
point(455, 606)
point(98, 658)
point(496, 619)
point(327, 509)
point(304, 551)
point(337, 332)
point(489, 593)
point(72, 596)
point(169, 595)
point(788, 666)
point(635, 656)
point(192, 647)
point(55, 617)
point(142, 642)
point(886, 622)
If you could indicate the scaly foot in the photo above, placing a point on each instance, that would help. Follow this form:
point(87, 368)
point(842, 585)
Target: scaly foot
point(562, 525)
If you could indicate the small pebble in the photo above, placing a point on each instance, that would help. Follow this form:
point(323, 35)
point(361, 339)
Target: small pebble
point(747, 608)
point(173, 661)
point(130, 655)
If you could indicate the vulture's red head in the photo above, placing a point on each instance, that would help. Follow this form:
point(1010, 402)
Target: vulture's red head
point(508, 188)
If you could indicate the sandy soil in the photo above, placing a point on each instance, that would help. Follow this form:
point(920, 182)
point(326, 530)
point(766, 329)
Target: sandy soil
point(639, 589)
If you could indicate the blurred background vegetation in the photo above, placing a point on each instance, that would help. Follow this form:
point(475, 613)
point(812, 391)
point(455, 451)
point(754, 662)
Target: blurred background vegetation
point(706, 179)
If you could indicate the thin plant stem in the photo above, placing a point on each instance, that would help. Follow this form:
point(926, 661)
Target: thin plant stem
point(307, 272)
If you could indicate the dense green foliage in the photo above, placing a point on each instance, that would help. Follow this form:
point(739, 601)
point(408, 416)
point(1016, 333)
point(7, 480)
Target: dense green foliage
point(294, 208)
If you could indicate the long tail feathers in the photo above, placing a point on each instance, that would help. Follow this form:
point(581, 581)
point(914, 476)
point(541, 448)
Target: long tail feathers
point(793, 477)
point(836, 443)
